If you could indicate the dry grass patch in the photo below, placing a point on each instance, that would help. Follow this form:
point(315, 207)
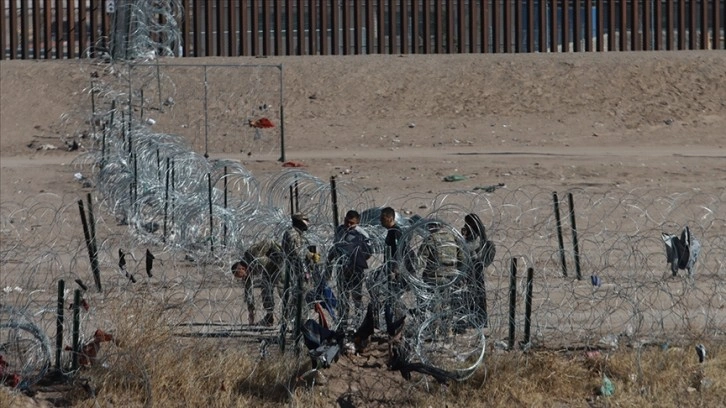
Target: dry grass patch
point(151, 366)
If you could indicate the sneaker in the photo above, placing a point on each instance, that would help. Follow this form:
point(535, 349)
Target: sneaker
point(320, 378)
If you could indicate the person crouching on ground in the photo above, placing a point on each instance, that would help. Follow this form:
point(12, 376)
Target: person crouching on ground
point(260, 267)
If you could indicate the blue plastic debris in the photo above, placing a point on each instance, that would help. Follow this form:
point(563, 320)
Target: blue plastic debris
point(608, 388)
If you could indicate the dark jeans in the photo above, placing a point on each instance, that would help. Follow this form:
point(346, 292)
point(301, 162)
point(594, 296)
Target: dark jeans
point(474, 299)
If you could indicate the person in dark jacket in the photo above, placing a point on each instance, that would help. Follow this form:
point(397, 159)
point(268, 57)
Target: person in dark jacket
point(392, 241)
point(386, 282)
point(481, 252)
point(351, 251)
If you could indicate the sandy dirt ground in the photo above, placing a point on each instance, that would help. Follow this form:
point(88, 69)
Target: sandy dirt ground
point(397, 125)
point(561, 120)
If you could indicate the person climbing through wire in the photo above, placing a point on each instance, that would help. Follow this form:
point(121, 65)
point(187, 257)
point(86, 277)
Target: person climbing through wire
point(442, 259)
point(349, 255)
point(261, 266)
point(480, 253)
point(386, 283)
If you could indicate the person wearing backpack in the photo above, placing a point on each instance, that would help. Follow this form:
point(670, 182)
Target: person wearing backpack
point(350, 253)
point(441, 255)
point(481, 252)
point(442, 258)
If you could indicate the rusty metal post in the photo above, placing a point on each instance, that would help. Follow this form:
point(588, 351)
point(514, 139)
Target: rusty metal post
point(512, 302)
point(59, 323)
point(559, 233)
point(576, 246)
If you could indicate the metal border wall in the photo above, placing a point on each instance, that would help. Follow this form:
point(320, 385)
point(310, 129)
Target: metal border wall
point(55, 29)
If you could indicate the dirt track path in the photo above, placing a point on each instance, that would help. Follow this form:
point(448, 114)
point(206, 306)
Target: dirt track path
point(428, 153)
point(670, 166)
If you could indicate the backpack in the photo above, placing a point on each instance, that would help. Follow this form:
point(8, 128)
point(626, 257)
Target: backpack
point(488, 251)
point(444, 249)
point(265, 248)
point(355, 244)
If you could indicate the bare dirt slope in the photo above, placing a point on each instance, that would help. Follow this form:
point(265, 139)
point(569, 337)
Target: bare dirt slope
point(635, 114)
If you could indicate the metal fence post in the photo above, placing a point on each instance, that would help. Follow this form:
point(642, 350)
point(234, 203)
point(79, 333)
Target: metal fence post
point(512, 301)
point(528, 306)
point(559, 233)
point(575, 245)
point(76, 329)
point(59, 323)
